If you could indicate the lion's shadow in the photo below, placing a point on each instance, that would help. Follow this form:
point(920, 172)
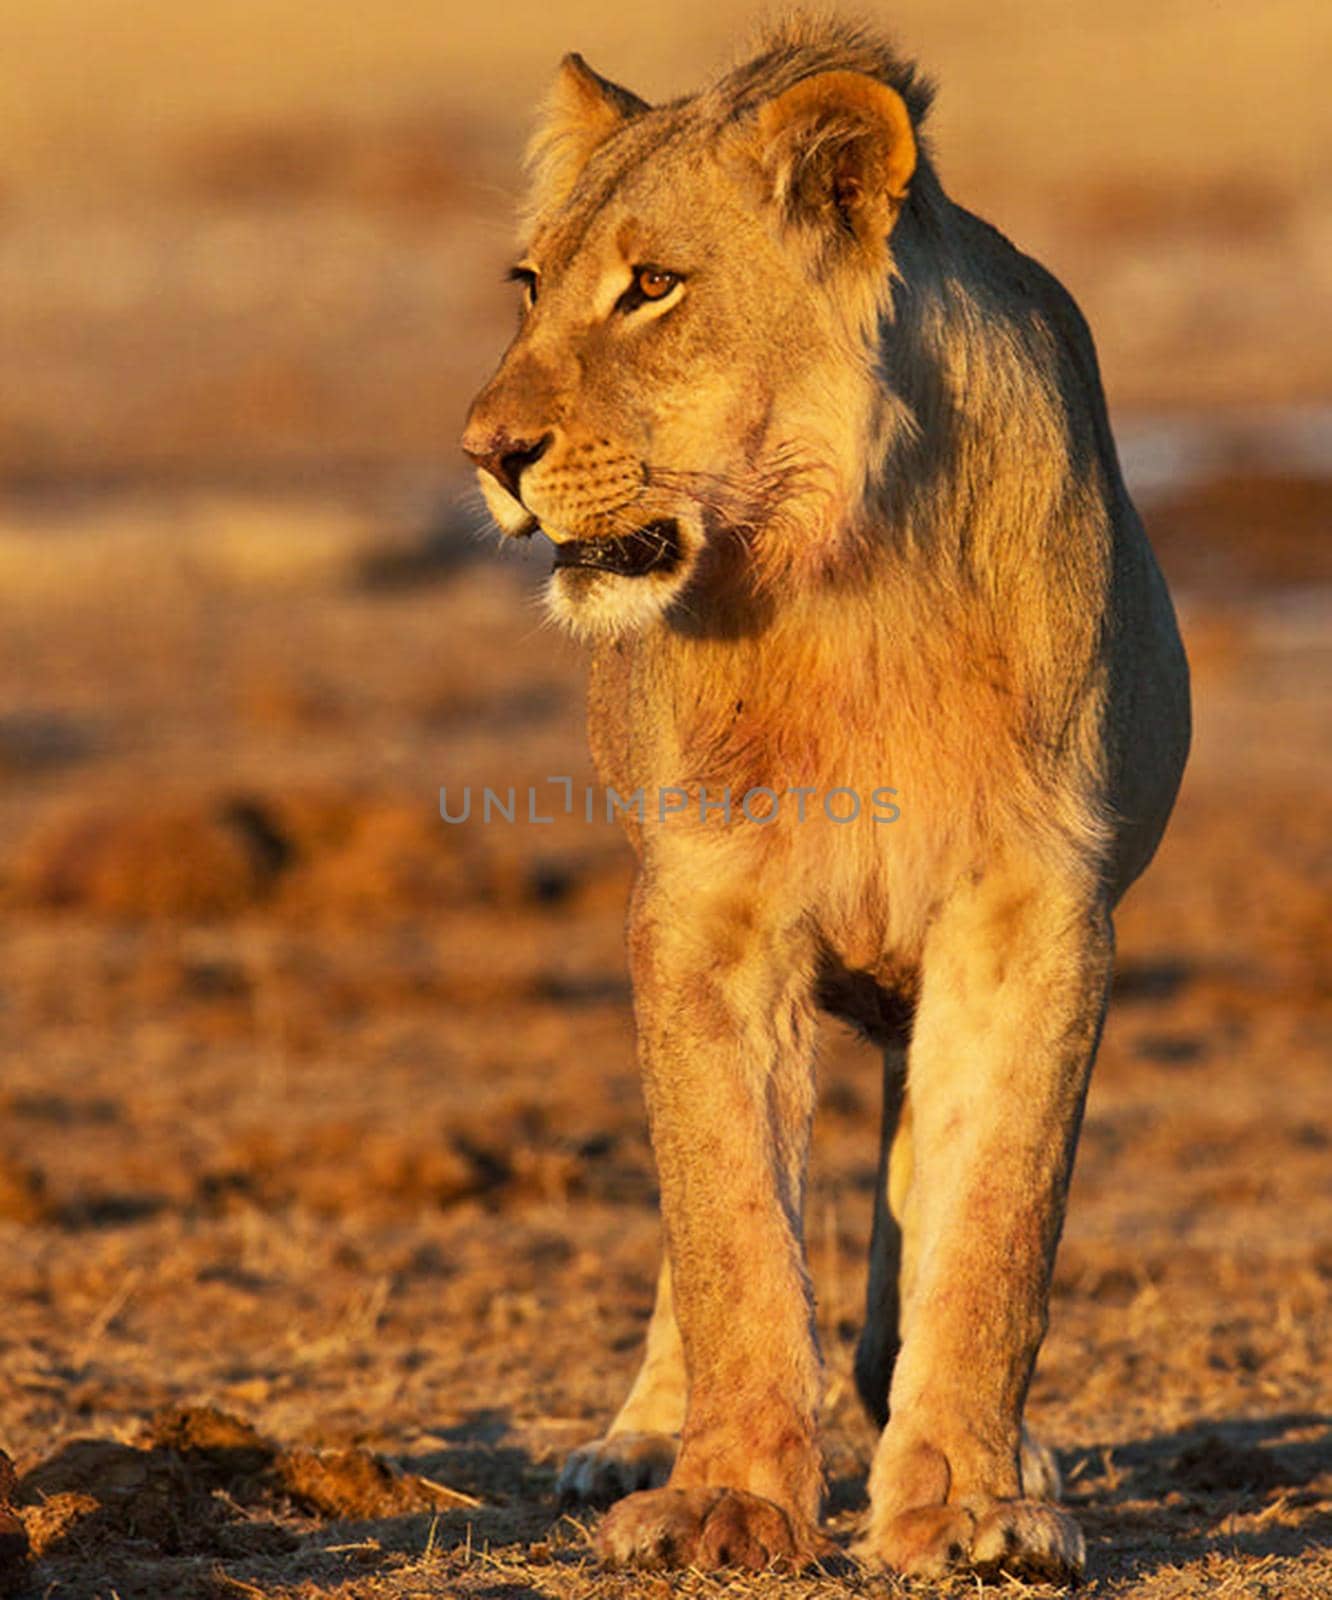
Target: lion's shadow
point(1257, 1487)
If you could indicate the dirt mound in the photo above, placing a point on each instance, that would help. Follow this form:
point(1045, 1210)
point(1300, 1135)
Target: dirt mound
point(202, 858)
point(182, 1501)
point(200, 1482)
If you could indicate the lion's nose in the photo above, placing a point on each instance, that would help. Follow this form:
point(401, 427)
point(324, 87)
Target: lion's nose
point(505, 457)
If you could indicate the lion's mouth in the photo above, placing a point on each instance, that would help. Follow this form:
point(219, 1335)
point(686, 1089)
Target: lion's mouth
point(655, 548)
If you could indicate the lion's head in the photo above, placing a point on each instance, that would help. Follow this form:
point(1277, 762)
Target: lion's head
point(689, 400)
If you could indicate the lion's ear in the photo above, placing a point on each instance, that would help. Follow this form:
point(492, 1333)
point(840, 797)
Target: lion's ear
point(839, 151)
point(581, 112)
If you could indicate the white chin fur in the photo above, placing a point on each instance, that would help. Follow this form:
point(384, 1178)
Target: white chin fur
point(601, 605)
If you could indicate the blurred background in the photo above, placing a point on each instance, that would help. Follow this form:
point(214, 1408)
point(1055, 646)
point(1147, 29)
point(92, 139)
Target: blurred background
point(263, 237)
point(324, 1113)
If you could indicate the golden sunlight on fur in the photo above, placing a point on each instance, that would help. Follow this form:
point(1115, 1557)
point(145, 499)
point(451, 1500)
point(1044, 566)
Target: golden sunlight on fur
point(838, 508)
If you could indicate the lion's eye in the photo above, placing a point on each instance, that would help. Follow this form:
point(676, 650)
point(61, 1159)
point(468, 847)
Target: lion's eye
point(528, 278)
point(649, 284)
point(654, 285)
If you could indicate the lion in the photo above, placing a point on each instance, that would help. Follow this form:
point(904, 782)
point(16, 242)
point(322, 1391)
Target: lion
point(826, 466)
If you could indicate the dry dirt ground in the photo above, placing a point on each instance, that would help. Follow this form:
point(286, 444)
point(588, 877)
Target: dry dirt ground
point(326, 1211)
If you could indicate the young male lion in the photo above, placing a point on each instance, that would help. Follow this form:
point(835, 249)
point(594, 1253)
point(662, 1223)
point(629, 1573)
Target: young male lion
point(826, 466)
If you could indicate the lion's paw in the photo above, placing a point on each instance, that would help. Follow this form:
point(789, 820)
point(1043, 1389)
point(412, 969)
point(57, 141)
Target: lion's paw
point(1015, 1538)
point(706, 1528)
point(606, 1470)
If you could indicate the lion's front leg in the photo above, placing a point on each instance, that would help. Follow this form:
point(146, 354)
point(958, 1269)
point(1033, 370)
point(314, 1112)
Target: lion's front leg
point(1014, 989)
point(638, 1450)
point(725, 1027)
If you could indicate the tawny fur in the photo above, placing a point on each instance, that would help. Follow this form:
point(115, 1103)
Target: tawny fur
point(908, 559)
